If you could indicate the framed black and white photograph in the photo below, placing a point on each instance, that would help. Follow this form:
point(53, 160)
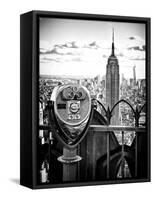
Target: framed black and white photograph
point(85, 99)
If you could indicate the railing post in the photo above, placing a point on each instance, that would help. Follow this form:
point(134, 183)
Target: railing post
point(136, 155)
point(108, 116)
point(123, 157)
point(108, 155)
point(137, 116)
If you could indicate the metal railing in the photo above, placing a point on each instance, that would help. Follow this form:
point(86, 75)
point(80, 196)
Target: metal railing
point(108, 129)
point(121, 130)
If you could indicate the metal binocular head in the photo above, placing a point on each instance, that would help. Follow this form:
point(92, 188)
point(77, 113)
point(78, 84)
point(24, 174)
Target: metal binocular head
point(72, 109)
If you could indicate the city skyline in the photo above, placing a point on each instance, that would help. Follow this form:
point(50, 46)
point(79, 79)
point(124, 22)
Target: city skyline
point(67, 47)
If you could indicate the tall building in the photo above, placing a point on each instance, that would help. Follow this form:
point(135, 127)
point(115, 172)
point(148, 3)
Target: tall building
point(134, 75)
point(112, 83)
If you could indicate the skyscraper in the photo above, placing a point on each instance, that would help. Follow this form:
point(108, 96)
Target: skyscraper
point(134, 75)
point(112, 83)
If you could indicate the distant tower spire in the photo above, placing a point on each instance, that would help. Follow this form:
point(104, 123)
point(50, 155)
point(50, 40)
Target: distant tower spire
point(113, 42)
point(113, 83)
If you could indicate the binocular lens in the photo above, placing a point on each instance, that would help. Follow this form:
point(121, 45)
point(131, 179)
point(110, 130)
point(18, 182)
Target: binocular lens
point(73, 93)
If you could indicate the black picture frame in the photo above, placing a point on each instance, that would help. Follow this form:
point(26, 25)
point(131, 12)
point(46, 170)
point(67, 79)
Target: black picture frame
point(29, 94)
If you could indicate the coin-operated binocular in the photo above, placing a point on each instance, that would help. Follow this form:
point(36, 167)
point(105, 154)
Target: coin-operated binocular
point(72, 111)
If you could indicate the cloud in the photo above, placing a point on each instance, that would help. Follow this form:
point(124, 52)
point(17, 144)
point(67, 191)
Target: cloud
point(47, 60)
point(135, 42)
point(143, 46)
point(58, 46)
point(137, 48)
point(92, 45)
point(77, 59)
point(132, 38)
point(137, 58)
point(72, 44)
point(134, 54)
point(104, 56)
point(69, 48)
point(132, 48)
point(58, 50)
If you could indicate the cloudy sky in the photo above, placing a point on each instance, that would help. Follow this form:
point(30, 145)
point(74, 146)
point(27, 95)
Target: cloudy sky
point(82, 47)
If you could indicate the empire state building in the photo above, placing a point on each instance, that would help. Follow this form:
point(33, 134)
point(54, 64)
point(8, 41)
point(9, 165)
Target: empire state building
point(112, 84)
